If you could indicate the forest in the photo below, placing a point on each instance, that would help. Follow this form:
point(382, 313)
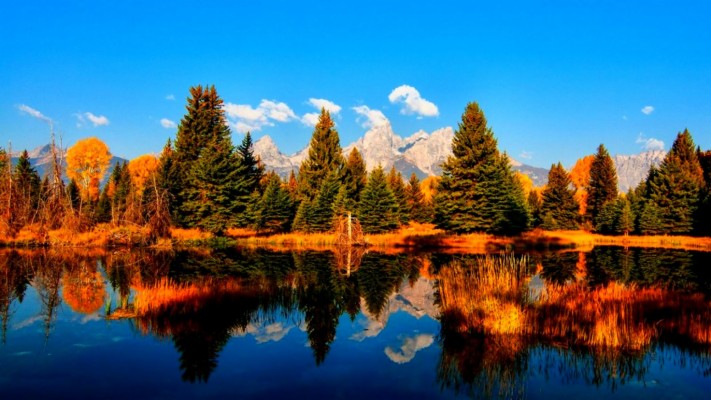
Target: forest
point(202, 181)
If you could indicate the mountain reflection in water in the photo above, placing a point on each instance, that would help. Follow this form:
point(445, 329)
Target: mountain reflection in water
point(600, 317)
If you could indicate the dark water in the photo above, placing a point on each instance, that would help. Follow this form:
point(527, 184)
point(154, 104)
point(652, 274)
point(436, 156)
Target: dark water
point(259, 324)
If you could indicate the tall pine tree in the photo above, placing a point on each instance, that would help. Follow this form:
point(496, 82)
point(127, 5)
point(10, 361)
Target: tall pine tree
point(325, 156)
point(356, 175)
point(478, 191)
point(397, 186)
point(419, 209)
point(677, 186)
point(603, 184)
point(559, 210)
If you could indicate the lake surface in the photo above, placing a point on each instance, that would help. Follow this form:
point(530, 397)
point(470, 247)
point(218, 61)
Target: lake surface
point(349, 324)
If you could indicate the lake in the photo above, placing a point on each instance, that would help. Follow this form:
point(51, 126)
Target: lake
point(255, 323)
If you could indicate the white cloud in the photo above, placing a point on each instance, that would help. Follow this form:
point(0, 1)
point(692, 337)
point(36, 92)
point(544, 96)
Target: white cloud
point(412, 102)
point(97, 120)
point(244, 118)
point(170, 97)
point(311, 119)
point(373, 118)
point(526, 154)
point(410, 346)
point(168, 124)
point(649, 143)
point(330, 106)
point(647, 110)
point(34, 113)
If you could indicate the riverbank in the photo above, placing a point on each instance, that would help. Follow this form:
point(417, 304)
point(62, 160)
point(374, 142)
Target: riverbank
point(413, 236)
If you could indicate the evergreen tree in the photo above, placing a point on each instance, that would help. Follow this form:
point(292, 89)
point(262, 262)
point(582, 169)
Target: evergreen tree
point(322, 213)
point(397, 186)
point(276, 207)
point(478, 191)
point(356, 175)
point(534, 207)
point(378, 208)
point(603, 184)
point(649, 222)
point(419, 209)
point(202, 131)
point(303, 215)
point(325, 156)
point(27, 189)
point(677, 186)
point(250, 173)
point(559, 210)
point(703, 216)
point(214, 185)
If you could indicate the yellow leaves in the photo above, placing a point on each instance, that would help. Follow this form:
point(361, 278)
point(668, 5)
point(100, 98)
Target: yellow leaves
point(525, 181)
point(141, 169)
point(429, 187)
point(580, 176)
point(87, 162)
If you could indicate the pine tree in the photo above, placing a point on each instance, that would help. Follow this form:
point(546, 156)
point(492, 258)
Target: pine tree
point(325, 156)
point(649, 222)
point(213, 187)
point(603, 184)
point(419, 209)
point(356, 175)
point(534, 207)
point(276, 207)
point(397, 186)
point(677, 186)
point(478, 191)
point(378, 208)
point(203, 127)
point(27, 187)
point(250, 173)
point(559, 210)
point(321, 219)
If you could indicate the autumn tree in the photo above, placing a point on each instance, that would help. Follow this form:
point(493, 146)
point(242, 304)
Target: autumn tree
point(677, 186)
point(477, 191)
point(559, 210)
point(325, 155)
point(419, 209)
point(580, 177)
point(87, 163)
point(602, 187)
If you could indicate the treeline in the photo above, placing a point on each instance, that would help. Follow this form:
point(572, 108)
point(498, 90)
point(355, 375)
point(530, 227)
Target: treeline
point(201, 180)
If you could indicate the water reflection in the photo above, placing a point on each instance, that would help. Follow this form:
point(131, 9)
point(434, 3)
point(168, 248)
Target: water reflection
point(599, 317)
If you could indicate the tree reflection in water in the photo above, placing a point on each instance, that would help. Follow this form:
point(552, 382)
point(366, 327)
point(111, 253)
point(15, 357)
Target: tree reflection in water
point(599, 316)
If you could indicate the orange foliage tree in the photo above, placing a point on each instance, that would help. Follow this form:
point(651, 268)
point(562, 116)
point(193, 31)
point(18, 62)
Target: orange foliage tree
point(87, 162)
point(580, 176)
point(141, 169)
point(84, 289)
point(525, 181)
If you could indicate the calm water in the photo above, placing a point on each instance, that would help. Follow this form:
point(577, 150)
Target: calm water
point(259, 324)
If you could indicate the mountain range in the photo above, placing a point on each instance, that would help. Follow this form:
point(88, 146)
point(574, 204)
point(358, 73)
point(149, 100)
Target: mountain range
point(423, 153)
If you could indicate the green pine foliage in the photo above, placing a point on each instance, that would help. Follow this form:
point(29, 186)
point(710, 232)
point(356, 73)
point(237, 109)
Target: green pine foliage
point(478, 191)
point(534, 207)
point(325, 156)
point(397, 186)
point(322, 213)
point(603, 184)
point(27, 190)
point(677, 186)
point(249, 174)
point(303, 215)
point(276, 208)
point(418, 208)
point(559, 210)
point(378, 208)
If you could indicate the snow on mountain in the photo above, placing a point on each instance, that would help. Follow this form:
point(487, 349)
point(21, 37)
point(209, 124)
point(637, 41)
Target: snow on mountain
point(633, 169)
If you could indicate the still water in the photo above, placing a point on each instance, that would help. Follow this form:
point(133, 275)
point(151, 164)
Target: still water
point(264, 324)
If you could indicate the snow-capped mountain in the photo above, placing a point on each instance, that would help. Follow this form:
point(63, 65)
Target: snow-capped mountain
point(633, 169)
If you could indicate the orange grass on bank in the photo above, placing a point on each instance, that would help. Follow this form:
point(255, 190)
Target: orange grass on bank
point(582, 239)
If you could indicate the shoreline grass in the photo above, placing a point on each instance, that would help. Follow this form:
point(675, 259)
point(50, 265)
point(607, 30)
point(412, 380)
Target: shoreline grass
point(411, 237)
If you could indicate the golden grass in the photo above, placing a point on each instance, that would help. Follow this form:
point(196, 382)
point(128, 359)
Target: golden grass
point(582, 239)
point(185, 235)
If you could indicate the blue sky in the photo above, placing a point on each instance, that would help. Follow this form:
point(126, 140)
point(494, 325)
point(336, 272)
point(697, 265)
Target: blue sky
point(555, 78)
